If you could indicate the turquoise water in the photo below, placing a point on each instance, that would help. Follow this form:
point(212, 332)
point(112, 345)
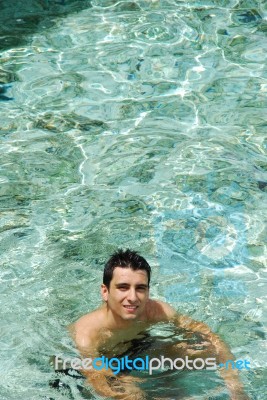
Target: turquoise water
point(132, 124)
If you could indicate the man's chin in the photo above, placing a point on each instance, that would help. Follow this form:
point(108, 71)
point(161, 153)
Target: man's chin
point(130, 316)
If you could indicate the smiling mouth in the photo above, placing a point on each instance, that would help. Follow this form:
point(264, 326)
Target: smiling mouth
point(131, 308)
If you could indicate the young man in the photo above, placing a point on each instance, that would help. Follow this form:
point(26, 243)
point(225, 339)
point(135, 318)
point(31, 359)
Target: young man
point(126, 314)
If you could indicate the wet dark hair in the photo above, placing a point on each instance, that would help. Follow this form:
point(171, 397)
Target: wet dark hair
point(125, 259)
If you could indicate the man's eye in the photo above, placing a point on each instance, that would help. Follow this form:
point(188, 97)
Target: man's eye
point(122, 288)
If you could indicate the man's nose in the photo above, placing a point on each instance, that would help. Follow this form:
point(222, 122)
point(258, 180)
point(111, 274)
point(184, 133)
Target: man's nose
point(132, 295)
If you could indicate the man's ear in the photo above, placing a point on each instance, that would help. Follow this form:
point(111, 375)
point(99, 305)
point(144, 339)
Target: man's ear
point(104, 292)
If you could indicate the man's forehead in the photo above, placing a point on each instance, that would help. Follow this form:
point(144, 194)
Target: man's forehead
point(128, 274)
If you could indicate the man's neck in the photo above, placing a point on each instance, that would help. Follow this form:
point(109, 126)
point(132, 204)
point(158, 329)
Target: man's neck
point(115, 322)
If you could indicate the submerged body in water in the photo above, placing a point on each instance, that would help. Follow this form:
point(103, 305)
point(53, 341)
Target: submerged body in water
point(128, 312)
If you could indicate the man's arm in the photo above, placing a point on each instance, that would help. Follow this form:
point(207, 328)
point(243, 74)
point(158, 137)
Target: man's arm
point(107, 384)
point(104, 381)
point(221, 350)
point(222, 354)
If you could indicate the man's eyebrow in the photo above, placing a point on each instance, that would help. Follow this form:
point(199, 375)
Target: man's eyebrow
point(122, 284)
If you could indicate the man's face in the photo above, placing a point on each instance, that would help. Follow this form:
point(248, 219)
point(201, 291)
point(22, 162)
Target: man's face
point(127, 294)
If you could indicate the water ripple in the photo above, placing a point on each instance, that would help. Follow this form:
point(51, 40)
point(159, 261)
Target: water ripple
point(134, 124)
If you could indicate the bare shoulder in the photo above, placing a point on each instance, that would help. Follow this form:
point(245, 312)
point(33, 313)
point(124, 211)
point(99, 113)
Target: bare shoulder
point(85, 331)
point(159, 311)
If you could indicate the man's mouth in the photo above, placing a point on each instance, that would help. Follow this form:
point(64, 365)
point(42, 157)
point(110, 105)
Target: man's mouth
point(131, 308)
